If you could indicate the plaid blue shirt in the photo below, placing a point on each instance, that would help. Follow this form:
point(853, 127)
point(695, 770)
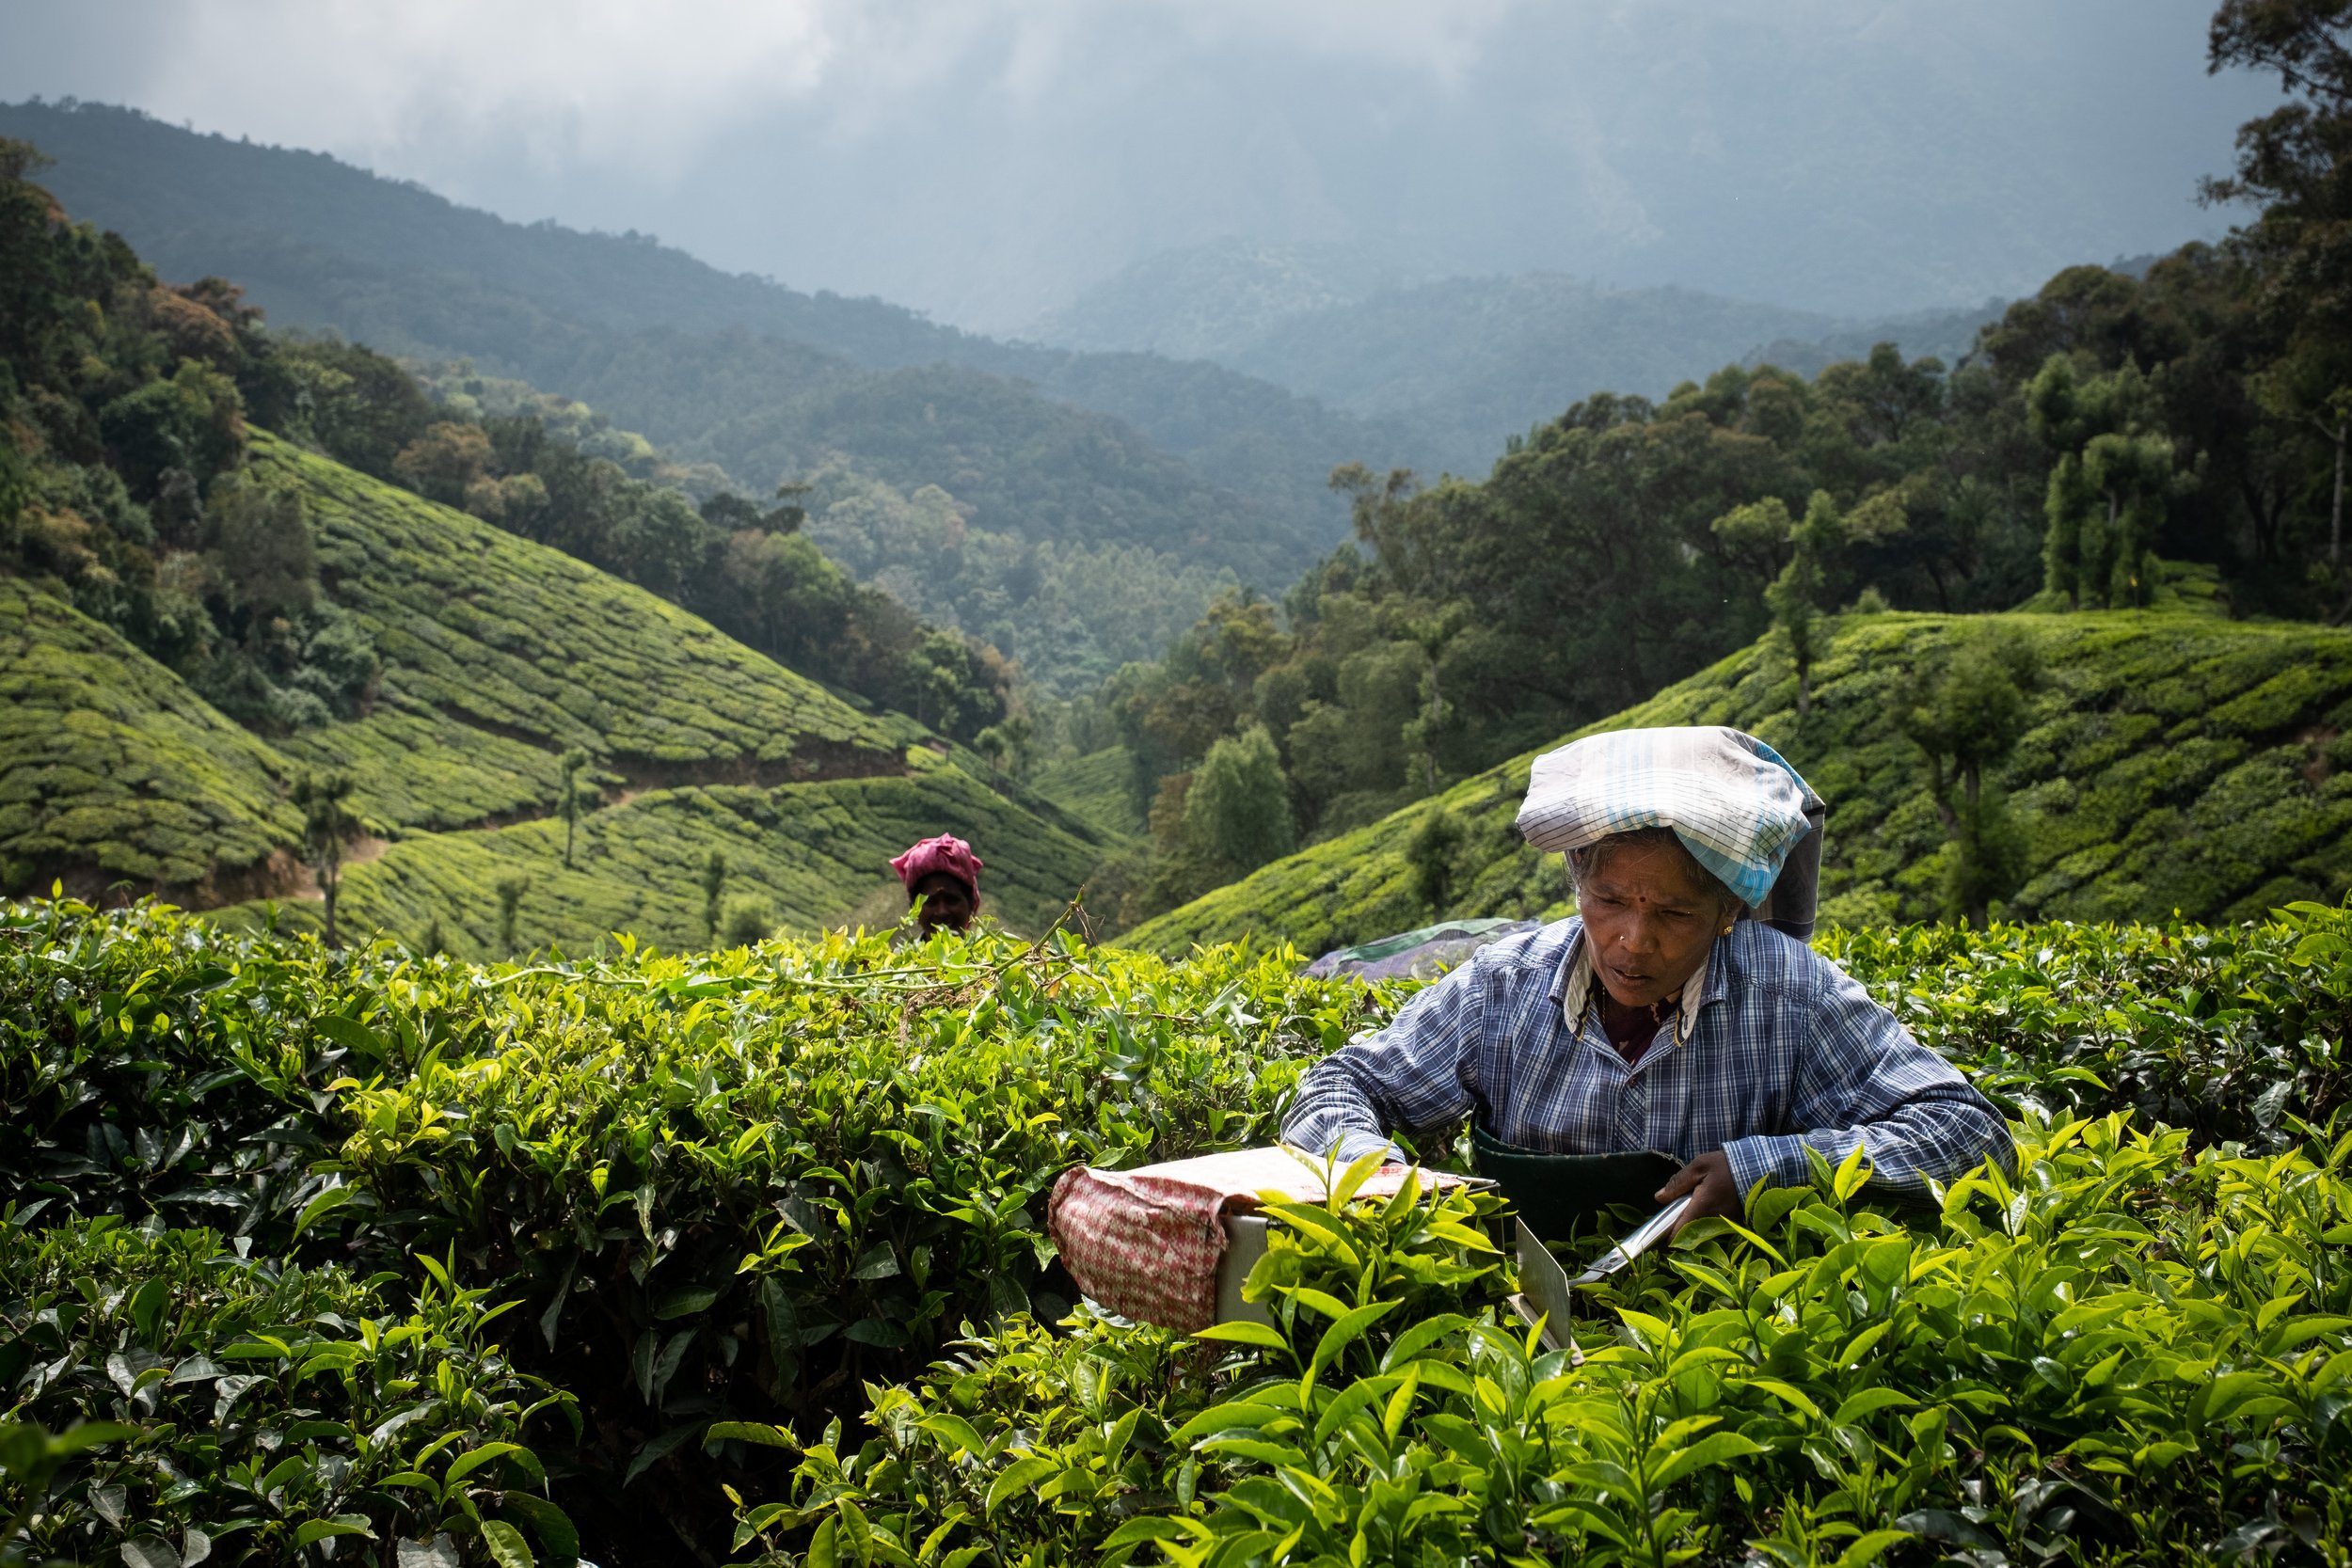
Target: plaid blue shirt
point(1782, 1050)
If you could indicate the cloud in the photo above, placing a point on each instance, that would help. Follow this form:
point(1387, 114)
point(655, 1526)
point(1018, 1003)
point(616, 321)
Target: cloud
point(985, 158)
point(617, 82)
point(642, 88)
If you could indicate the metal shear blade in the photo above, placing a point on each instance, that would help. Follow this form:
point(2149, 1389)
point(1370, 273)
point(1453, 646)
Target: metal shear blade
point(1545, 1290)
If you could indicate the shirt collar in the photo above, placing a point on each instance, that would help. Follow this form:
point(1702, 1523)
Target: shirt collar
point(1572, 986)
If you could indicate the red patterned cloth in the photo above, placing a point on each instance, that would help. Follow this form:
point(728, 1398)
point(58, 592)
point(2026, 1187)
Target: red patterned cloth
point(1146, 1246)
point(947, 853)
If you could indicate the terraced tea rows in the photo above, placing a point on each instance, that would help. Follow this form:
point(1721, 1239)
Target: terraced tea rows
point(799, 855)
point(110, 768)
point(496, 656)
point(2175, 762)
point(499, 654)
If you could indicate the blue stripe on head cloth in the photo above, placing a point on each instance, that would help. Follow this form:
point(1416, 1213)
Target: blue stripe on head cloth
point(1732, 801)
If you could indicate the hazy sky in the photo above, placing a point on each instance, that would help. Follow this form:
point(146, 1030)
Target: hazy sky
point(984, 159)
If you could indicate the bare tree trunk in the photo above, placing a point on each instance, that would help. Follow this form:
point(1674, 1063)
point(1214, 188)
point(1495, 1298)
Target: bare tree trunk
point(2336, 435)
point(330, 882)
point(1937, 794)
point(2115, 515)
point(2261, 509)
point(1976, 909)
point(2335, 517)
point(1429, 738)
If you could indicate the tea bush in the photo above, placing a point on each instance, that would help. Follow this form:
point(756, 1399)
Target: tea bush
point(153, 1070)
point(754, 1183)
point(741, 1202)
point(735, 1185)
point(263, 1413)
point(2230, 1032)
point(2138, 1351)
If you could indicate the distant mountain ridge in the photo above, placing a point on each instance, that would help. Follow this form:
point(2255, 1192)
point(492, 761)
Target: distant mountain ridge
point(1200, 467)
point(1219, 301)
point(107, 171)
point(1463, 361)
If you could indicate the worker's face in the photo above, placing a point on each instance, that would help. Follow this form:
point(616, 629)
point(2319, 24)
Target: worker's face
point(948, 904)
point(1650, 915)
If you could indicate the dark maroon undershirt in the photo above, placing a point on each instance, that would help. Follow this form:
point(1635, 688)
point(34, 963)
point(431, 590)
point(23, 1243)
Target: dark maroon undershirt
point(1630, 1029)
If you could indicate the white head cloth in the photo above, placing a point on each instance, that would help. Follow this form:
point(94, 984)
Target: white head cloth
point(1734, 804)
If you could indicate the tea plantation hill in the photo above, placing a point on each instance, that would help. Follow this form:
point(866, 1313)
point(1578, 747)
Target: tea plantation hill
point(496, 656)
point(1098, 787)
point(804, 857)
point(111, 768)
point(2177, 761)
point(500, 653)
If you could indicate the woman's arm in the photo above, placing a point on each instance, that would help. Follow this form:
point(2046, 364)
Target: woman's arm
point(1863, 1079)
point(1413, 1073)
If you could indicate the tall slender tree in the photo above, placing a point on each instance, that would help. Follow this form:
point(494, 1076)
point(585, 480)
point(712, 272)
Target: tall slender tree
point(1807, 552)
point(2115, 477)
point(1966, 713)
point(572, 762)
point(1430, 853)
point(510, 892)
point(2296, 163)
point(1238, 809)
point(327, 829)
point(714, 886)
point(1432, 633)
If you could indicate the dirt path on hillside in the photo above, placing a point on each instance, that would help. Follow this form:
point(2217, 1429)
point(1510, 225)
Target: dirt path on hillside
point(357, 852)
point(283, 876)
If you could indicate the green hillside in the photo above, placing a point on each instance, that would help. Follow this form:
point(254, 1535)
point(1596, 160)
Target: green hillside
point(2176, 762)
point(205, 623)
point(803, 856)
point(1206, 468)
point(496, 655)
point(499, 654)
point(110, 768)
point(1099, 788)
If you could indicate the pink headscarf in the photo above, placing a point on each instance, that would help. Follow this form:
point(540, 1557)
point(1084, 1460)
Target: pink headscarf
point(945, 853)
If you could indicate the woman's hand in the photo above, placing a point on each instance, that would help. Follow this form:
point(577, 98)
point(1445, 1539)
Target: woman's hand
point(1707, 1179)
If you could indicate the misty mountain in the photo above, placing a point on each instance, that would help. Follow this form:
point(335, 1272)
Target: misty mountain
point(1460, 361)
point(989, 160)
point(1192, 476)
point(1219, 301)
point(1152, 481)
point(286, 222)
